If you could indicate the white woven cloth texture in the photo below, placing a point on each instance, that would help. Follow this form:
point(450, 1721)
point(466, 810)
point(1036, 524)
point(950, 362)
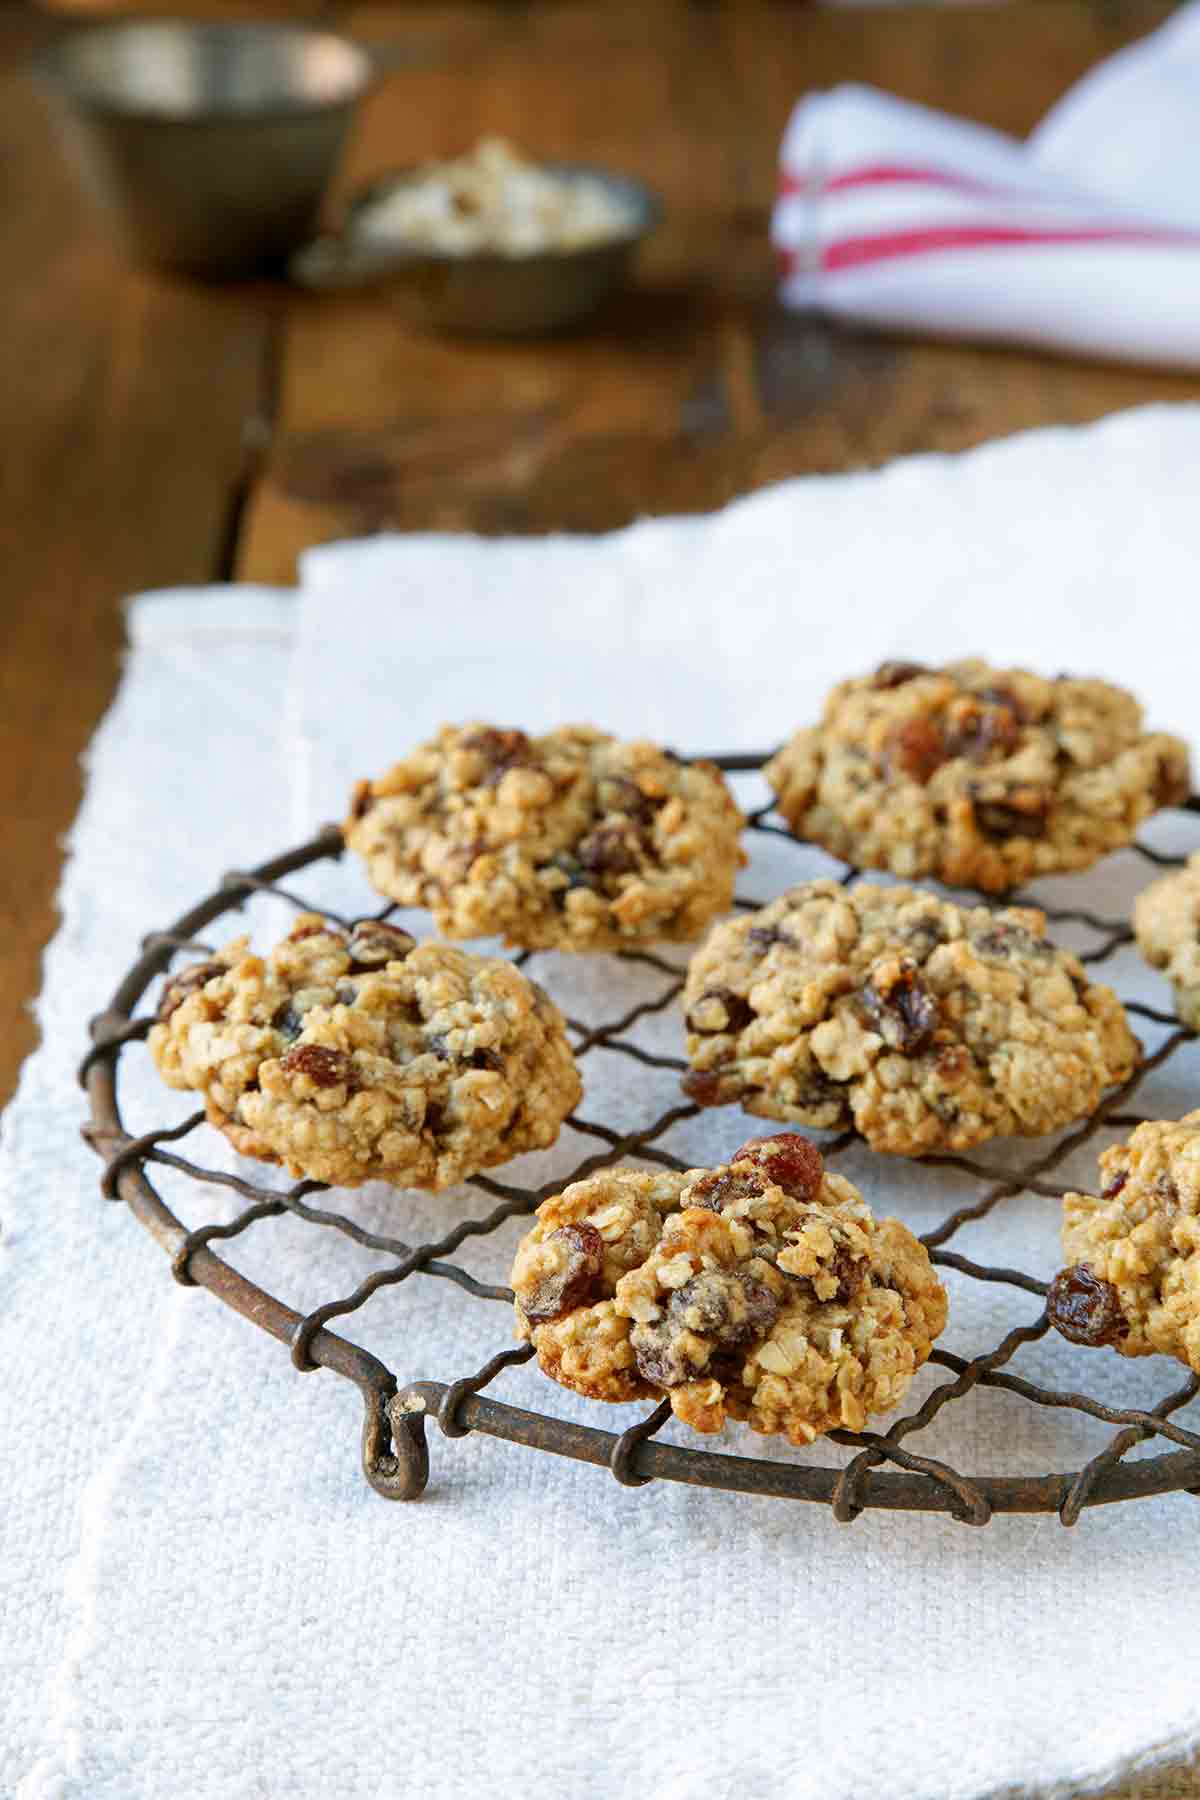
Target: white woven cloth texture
point(1084, 237)
point(201, 1595)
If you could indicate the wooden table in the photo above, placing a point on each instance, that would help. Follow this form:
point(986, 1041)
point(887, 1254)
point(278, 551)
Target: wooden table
point(159, 432)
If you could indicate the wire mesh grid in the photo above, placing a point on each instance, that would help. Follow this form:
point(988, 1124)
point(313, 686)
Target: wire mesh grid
point(886, 1470)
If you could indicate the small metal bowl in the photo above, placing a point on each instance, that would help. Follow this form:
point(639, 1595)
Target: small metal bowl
point(485, 293)
point(206, 147)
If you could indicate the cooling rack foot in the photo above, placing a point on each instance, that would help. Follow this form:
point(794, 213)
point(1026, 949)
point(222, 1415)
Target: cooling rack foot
point(395, 1456)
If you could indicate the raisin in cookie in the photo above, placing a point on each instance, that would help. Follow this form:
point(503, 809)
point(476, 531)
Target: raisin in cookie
point(572, 841)
point(1166, 923)
point(359, 1055)
point(982, 777)
point(1133, 1275)
point(925, 1025)
point(763, 1290)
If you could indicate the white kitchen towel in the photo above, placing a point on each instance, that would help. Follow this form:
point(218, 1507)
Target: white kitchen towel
point(1086, 237)
point(86, 1321)
point(202, 1595)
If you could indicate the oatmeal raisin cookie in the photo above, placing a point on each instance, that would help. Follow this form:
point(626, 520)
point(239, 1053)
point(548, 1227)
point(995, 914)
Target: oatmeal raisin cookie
point(1133, 1275)
point(763, 1290)
point(571, 841)
point(925, 1025)
point(360, 1055)
point(1166, 923)
point(982, 777)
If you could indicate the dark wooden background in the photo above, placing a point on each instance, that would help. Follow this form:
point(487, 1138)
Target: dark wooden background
point(158, 432)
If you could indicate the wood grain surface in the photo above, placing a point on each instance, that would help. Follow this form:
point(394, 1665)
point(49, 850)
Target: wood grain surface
point(125, 401)
point(158, 432)
point(699, 387)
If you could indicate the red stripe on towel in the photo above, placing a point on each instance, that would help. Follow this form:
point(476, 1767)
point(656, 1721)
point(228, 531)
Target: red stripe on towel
point(887, 246)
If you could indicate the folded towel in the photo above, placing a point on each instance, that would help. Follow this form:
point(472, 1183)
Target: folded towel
point(1086, 237)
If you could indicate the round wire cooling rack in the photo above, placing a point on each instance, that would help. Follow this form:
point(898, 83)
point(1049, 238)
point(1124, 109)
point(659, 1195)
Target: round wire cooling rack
point(395, 1457)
